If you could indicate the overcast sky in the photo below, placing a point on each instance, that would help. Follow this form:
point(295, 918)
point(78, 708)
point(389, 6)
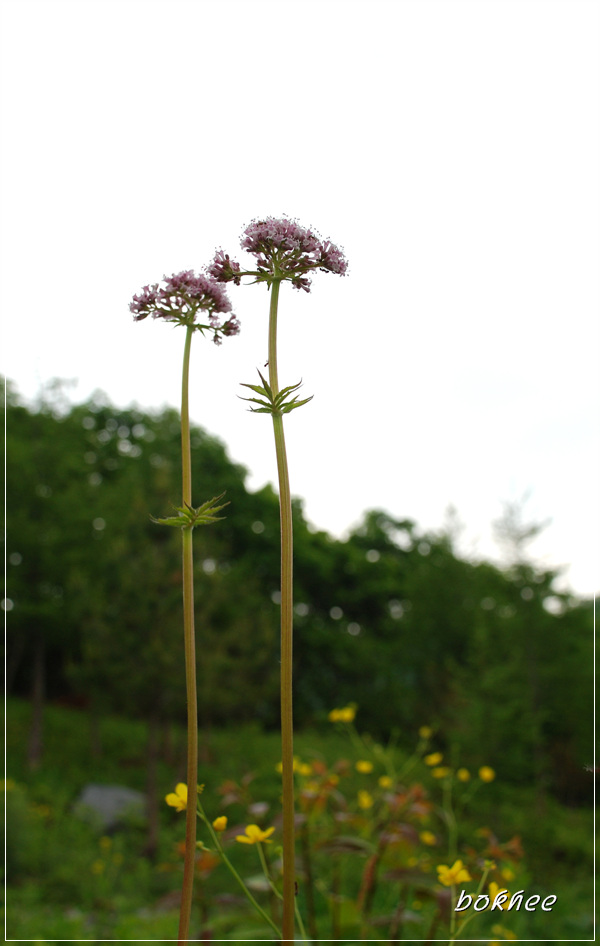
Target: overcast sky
point(452, 149)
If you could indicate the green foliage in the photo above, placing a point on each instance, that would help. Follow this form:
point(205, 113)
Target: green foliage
point(368, 855)
point(277, 404)
point(390, 618)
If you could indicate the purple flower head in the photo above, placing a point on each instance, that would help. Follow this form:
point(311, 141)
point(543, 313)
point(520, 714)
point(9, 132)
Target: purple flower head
point(332, 259)
point(271, 237)
point(181, 297)
point(283, 250)
point(224, 269)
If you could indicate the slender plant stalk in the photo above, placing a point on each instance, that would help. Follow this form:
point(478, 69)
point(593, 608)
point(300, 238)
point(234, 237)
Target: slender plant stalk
point(287, 723)
point(190, 656)
point(450, 820)
point(221, 851)
point(309, 884)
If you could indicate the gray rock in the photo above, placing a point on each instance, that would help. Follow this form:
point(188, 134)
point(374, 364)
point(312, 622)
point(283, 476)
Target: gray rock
point(108, 806)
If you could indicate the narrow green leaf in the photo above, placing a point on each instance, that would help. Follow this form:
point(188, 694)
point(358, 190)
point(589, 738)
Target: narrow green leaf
point(288, 390)
point(178, 522)
point(265, 407)
point(266, 386)
point(291, 405)
point(255, 387)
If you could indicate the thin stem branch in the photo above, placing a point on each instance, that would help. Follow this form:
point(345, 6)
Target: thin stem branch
point(221, 851)
point(287, 723)
point(190, 656)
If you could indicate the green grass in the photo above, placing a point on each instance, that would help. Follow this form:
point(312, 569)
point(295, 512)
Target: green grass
point(67, 882)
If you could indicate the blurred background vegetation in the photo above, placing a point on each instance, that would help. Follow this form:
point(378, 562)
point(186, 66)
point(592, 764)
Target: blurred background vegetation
point(391, 618)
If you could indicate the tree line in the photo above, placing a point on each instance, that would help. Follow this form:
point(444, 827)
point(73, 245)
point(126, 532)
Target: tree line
point(391, 618)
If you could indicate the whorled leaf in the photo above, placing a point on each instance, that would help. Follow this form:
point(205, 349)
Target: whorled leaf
point(189, 518)
point(277, 404)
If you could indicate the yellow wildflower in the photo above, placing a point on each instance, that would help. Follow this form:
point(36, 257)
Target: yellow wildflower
point(385, 781)
point(507, 873)
point(178, 798)
point(364, 766)
point(365, 800)
point(463, 775)
point(98, 867)
point(457, 874)
point(220, 823)
point(494, 889)
point(105, 843)
point(434, 758)
point(304, 769)
point(41, 810)
point(486, 774)
point(425, 732)
point(440, 771)
point(499, 930)
point(428, 837)
point(344, 715)
point(254, 834)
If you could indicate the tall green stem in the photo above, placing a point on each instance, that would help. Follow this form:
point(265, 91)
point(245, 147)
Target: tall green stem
point(190, 656)
point(287, 723)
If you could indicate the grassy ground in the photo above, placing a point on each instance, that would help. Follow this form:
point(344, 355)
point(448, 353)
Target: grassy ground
point(69, 882)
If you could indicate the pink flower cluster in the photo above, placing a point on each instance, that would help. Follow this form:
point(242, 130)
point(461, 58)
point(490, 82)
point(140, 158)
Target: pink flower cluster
point(283, 250)
point(181, 297)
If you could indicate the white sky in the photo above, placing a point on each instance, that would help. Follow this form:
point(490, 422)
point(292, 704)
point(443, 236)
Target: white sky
point(452, 149)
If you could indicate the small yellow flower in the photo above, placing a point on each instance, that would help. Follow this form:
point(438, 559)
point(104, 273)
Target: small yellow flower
point(304, 769)
point(440, 771)
point(434, 758)
point(457, 874)
point(41, 810)
point(486, 774)
point(344, 715)
point(463, 775)
point(365, 800)
point(220, 823)
point(428, 838)
point(425, 732)
point(499, 930)
point(98, 867)
point(178, 798)
point(254, 834)
point(8, 784)
point(364, 766)
point(507, 873)
point(494, 889)
point(385, 781)
point(105, 843)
